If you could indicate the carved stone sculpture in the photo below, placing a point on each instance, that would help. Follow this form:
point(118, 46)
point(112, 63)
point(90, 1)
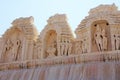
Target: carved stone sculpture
point(104, 40)
point(66, 47)
point(16, 49)
point(98, 38)
point(62, 46)
point(78, 47)
point(7, 49)
point(116, 41)
point(70, 48)
point(51, 50)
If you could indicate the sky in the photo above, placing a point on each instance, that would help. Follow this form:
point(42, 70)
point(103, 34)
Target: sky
point(41, 10)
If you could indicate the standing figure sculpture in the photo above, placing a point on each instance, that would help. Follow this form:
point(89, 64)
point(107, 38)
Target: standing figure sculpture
point(98, 38)
point(62, 47)
point(51, 50)
point(7, 49)
point(104, 40)
point(70, 48)
point(116, 42)
point(66, 47)
point(16, 48)
point(78, 47)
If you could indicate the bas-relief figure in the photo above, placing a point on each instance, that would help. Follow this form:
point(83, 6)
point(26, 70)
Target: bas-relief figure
point(78, 47)
point(16, 49)
point(104, 40)
point(65, 46)
point(51, 50)
point(116, 42)
point(98, 38)
point(7, 50)
point(56, 39)
point(21, 43)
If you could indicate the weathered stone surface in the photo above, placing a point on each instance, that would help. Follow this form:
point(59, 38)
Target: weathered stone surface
point(55, 54)
point(87, 71)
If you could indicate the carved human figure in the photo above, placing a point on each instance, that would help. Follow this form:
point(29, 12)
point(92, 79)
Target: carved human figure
point(104, 40)
point(51, 50)
point(78, 47)
point(119, 41)
point(66, 47)
point(7, 48)
point(70, 48)
point(16, 48)
point(62, 47)
point(98, 38)
point(116, 42)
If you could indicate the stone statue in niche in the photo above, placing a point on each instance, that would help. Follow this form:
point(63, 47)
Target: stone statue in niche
point(51, 50)
point(98, 38)
point(117, 42)
point(69, 48)
point(66, 47)
point(16, 49)
point(7, 48)
point(78, 47)
point(104, 40)
point(62, 47)
point(84, 46)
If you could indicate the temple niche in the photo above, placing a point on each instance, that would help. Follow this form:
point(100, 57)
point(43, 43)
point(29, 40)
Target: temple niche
point(18, 40)
point(100, 28)
point(100, 31)
point(12, 45)
point(56, 37)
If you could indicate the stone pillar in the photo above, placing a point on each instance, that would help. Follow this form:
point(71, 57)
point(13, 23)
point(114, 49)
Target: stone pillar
point(30, 50)
point(23, 56)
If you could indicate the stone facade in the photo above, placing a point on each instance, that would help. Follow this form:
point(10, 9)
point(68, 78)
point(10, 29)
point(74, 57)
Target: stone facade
point(98, 33)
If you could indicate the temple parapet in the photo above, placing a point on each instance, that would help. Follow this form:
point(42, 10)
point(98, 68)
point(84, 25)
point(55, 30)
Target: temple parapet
point(73, 59)
point(17, 42)
point(100, 30)
point(97, 39)
point(103, 9)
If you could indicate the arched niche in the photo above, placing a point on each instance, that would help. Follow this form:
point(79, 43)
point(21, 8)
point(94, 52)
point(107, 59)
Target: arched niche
point(50, 39)
point(102, 25)
point(16, 37)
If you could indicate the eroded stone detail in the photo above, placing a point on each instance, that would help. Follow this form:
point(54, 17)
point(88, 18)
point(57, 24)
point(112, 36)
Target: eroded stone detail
point(98, 32)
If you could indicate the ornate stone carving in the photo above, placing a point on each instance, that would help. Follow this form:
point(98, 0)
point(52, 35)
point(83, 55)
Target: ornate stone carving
point(104, 40)
point(94, 33)
point(17, 49)
point(51, 50)
point(117, 42)
point(8, 46)
point(84, 46)
point(98, 38)
point(78, 47)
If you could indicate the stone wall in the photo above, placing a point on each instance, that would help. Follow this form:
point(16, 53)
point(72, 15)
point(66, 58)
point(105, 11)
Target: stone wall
point(96, 47)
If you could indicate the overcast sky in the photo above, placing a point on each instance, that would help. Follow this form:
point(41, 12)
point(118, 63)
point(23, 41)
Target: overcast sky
point(41, 10)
